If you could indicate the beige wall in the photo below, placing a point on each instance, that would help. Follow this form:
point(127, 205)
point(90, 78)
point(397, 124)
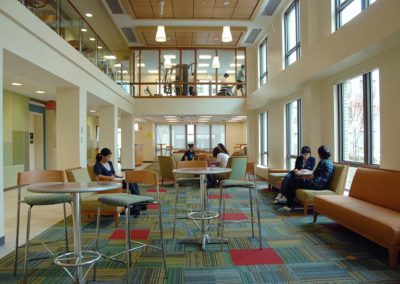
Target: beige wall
point(92, 144)
point(145, 136)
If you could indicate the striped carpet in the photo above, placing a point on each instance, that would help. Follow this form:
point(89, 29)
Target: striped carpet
point(296, 251)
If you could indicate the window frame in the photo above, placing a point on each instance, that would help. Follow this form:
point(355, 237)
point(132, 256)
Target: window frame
point(339, 8)
point(263, 138)
point(297, 48)
point(290, 155)
point(367, 121)
point(261, 61)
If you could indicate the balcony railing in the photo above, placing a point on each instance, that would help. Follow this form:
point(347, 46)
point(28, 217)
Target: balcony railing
point(62, 17)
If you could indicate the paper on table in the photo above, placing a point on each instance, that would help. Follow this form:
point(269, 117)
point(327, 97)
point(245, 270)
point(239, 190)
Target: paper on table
point(305, 172)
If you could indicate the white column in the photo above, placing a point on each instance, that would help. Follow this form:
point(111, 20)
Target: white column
point(108, 125)
point(71, 120)
point(128, 142)
point(2, 237)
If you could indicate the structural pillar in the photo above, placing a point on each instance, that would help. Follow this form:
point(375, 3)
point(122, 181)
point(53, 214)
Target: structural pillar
point(127, 142)
point(2, 237)
point(108, 126)
point(71, 121)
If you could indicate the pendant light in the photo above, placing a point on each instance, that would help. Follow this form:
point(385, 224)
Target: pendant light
point(160, 35)
point(226, 31)
point(226, 34)
point(215, 62)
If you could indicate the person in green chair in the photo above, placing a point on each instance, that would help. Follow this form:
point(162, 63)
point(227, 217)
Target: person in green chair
point(189, 154)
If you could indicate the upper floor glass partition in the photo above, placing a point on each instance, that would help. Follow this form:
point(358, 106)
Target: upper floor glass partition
point(189, 72)
point(62, 17)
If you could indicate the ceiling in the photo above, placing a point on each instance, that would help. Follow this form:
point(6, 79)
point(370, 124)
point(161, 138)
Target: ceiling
point(191, 119)
point(192, 9)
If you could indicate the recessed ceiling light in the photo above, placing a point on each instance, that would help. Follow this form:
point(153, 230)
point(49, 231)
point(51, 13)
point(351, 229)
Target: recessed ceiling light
point(16, 84)
point(40, 92)
point(92, 110)
point(240, 57)
point(92, 39)
point(201, 71)
point(226, 3)
point(110, 57)
point(117, 65)
point(83, 30)
point(205, 56)
point(152, 71)
point(89, 15)
point(141, 65)
point(99, 47)
point(203, 65)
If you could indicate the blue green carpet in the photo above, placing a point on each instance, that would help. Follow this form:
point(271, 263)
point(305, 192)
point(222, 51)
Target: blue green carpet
point(296, 251)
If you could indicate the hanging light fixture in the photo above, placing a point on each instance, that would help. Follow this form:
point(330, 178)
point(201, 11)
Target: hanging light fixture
point(215, 62)
point(226, 31)
point(160, 35)
point(226, 34)
point(167, 62)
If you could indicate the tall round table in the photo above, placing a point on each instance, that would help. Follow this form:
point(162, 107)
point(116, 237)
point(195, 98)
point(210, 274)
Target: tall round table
point(77, 258)
point(204, 215)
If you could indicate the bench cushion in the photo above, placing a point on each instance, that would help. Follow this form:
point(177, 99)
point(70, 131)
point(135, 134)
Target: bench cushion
point(382, 224)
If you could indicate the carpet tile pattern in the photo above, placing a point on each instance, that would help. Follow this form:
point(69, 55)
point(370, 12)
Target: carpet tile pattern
point(294, 249)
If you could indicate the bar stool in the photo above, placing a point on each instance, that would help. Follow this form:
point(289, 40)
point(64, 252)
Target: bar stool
point(29, 178)
point(127, 200)
point(230, 184)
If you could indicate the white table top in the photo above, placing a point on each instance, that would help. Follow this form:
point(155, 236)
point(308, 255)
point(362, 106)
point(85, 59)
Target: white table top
point(208, 170)
point(72, 187)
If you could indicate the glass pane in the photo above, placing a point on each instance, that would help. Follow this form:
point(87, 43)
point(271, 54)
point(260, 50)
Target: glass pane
point(350, 12)
point(292, 58)
point(70, 24)
point(149, 67)
point(353, 120)
point(240, 88)
point(263, 65)
point(178, 136)
point(137, 65)
point(263, 139)
point(293, 129)
point(376, 130)
point(371, 1)
point(171, 72)
point(205, 72)
point(217, 135)
point(203, 136)
point(291, 29)
point(47, 14)
point(162, 137)
point(89, 44)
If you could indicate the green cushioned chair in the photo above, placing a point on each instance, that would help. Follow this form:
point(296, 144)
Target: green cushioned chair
point(238, 174)
point(126, 200)
point(89, 200)
point(336, 186)
point(167, 164)
point(33, 177)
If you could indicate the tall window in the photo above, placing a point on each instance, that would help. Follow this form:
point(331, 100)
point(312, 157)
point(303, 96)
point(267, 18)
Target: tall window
point(262, 54)
point(293, 130)
point(348, 9)
point(359, 119)
point(292, 33)
point(179, 135)
point(263, 134)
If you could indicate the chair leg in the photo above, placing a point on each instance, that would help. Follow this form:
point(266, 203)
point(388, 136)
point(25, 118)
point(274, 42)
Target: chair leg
point(28, 228)
point(176, 203)
point(116, 219)
point(258, 215)
point(305, 208)
point(393, 252)
point(223, 224)
point(315, 215)
point(65, 227)
point(97, 238)
point(127, 243)
point(162, 240)
point(251, 212)
point(17, 239)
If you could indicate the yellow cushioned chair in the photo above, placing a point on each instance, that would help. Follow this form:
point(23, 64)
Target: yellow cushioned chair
point(336, 186)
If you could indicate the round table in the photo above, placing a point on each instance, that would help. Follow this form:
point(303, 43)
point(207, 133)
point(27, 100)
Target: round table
point(204, 215)
point(78, 256)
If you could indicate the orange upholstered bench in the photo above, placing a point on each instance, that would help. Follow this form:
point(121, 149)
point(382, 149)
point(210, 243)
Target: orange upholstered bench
point(372, 208)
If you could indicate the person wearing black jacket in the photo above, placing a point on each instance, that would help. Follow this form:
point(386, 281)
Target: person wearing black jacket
point(304, 161)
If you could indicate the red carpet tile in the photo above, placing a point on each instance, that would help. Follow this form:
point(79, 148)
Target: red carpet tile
point(135, 235)
point(216, 196)
point(235, 216)
point(154, 190)
point(255, 256)
point(152, 206)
